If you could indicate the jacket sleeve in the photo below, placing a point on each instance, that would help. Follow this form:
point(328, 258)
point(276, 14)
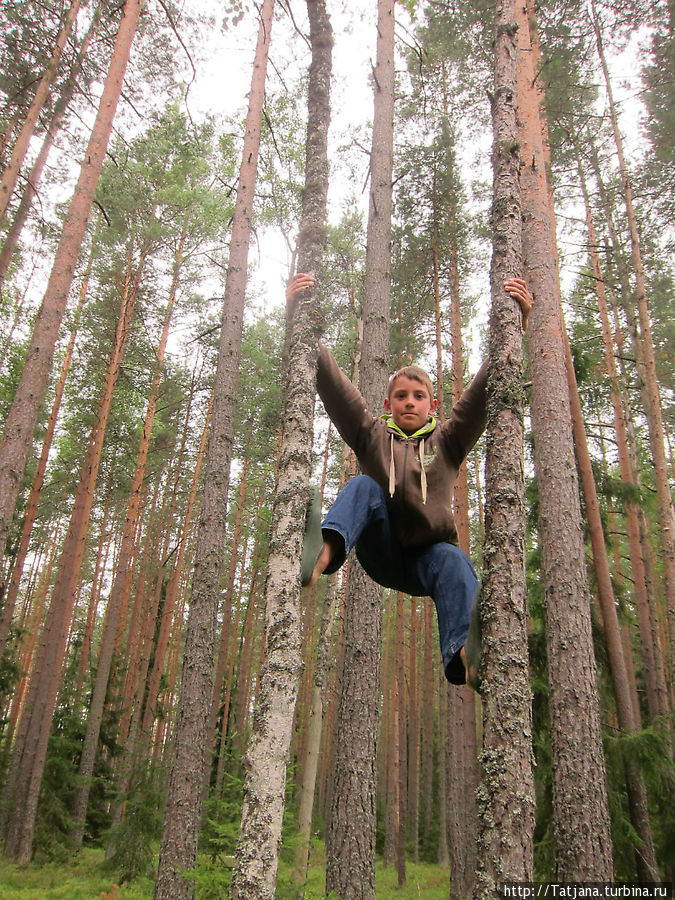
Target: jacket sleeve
point(342, 401)
point(468, 418)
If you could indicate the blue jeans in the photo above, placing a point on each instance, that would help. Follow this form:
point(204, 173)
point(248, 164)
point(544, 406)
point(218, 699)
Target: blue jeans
point(441, 571)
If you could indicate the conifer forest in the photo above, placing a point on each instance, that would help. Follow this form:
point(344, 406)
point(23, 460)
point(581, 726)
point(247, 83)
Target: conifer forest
point(173, 701)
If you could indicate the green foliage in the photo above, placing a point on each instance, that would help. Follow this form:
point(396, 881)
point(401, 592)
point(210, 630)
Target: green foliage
point(133, 841)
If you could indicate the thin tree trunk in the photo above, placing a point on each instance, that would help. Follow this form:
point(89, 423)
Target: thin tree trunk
point(33, 179)
point(121, 586)
point(653, 410)
point(627, 474)
point(38, 479)
point(11, 174)
point(30, 756)
point(23, 414)
point(178, 850)
point(506, 791)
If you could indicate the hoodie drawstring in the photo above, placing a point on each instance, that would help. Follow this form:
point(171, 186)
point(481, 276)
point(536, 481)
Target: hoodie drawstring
point(423, 474)
point(392, 469)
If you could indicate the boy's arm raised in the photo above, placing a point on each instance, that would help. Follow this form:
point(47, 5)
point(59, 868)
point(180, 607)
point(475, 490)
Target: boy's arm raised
point(342, 401)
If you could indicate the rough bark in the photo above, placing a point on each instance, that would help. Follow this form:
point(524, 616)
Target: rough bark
point(350, 840)
point(506, 790)
point(266, 759)
point(23, 414)
point(581, 820)
point(178, 850)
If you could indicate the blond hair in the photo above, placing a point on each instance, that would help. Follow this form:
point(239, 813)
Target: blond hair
point(416, 374)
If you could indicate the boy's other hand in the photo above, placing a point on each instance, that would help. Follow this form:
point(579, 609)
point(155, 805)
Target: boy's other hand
point(298, 283)
point(517, 288)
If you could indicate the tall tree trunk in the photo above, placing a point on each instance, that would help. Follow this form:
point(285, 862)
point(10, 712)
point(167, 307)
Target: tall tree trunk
point(653, 410)
point(11, 174)
point(30, 754)
point(178, 850)
point(121, 586)
point(23, 414)
point(461, 706)
point(266, 759)
point(33, 179)
point(38, 479)
point(506, 790)
point(350, 839)
point(654, 699)
point(581, 819)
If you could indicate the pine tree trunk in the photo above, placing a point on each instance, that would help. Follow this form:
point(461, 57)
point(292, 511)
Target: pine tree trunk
point(33, 179)
point(121, 586)
point(579, 791)
point(506, 791)
point(11, 174)
point(653, 407)
point(350, 840)
point(178, 851)
point(627, 475)
point(30, 756)
point(259, 842)
point(23, 414)
point(30, 513)
point(462, 708)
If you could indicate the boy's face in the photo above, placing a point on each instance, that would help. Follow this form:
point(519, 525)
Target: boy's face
point(409, 404)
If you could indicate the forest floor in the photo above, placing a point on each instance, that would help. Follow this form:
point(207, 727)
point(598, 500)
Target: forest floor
point(84, 878)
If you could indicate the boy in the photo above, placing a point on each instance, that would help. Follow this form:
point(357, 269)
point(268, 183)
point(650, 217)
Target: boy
point(397, 515)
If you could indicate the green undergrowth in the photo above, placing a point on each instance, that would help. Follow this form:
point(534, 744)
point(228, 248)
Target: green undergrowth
point(86, 878)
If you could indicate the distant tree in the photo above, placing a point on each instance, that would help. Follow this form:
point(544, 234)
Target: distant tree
point(23, 414)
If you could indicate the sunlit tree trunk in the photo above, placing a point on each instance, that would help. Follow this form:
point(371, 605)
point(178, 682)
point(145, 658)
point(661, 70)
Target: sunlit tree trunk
point(506, 789)
point(23, 414)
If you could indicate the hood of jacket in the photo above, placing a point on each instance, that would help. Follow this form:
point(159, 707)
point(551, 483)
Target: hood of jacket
point(421, 434)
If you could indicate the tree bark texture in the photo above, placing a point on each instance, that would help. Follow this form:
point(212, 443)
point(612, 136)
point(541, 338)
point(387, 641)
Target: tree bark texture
point(350, 840)
point(267, 756)
point(23, 414)
point(581, 820)
point(506, 790)
point(178, 850)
